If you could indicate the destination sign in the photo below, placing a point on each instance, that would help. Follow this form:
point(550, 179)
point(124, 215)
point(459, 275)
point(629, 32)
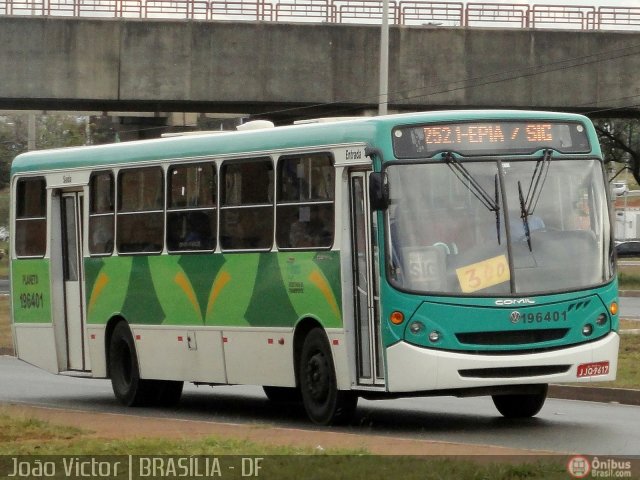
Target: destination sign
point(489, 138)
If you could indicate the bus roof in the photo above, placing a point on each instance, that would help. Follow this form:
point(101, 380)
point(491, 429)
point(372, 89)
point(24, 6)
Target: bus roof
point(363, 130)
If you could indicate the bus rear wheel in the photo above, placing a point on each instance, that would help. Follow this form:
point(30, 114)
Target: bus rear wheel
point(323, 402)
point(124, 371)
point(523, 405)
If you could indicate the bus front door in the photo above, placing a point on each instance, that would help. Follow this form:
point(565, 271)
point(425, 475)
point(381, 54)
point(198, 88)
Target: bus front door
point(71, 216)
point(365, 290)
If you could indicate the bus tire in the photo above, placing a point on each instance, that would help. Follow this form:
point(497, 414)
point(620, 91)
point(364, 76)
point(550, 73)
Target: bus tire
point(323, 402)
point(124, 371)
point(283, 394)
point(523, 405)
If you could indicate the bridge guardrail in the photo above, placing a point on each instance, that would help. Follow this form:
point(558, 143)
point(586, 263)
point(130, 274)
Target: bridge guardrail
point(402, 12)
point(435, 13)
point(504, 15)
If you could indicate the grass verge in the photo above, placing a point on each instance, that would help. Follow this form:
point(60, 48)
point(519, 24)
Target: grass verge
point(25, 436)
point(628, 364)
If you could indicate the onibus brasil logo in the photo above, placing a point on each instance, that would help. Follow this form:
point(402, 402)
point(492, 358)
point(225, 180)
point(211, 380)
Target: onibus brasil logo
point(580, 467)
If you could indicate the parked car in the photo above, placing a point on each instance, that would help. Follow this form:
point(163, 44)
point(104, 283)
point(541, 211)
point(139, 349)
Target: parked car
point(620, 188)
point(629, 248)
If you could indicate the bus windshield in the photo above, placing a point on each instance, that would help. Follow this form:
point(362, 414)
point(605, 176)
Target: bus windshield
point(498, 227)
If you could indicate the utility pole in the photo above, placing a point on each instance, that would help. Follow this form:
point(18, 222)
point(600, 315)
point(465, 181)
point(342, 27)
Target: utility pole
point(384, 60)
point(31, 131)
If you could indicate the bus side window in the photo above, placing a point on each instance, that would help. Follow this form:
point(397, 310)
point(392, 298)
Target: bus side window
point(305, 202)
point(140, 215)
point(191, 209)
point(246, 204)
point(101, 213)
point(31, 218)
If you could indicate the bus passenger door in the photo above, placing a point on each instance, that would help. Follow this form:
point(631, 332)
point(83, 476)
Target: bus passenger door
point(365, 289)
point(71, 216)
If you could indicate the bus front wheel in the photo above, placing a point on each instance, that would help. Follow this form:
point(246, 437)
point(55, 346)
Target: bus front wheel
point(323, 402)
point(523, 405)
point(124, 371)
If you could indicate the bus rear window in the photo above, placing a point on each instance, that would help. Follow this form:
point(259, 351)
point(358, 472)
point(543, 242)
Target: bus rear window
point(31, 218)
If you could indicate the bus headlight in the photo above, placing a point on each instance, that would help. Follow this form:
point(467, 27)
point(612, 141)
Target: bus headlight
point(602, 319)
point(434, 336)
point(587, 329)
point(416, 327)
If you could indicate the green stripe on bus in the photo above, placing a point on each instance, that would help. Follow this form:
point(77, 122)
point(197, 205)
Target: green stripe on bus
point(251, 289)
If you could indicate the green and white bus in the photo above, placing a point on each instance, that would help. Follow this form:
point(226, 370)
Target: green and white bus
point(444, 253)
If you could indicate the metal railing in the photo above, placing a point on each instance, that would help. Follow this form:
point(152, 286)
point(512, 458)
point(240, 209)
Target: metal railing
point(402, 12)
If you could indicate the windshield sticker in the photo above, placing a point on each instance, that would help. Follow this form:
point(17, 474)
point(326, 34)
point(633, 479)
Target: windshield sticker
point(485, 274)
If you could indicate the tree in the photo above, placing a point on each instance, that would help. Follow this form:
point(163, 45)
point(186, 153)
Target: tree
point(13, 141)
point(55, 131)
point(620, 142)
point(52, 131)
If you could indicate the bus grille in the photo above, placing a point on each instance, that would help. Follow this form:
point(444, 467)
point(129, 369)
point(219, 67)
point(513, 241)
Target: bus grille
point(515, 337)
point(514, 372)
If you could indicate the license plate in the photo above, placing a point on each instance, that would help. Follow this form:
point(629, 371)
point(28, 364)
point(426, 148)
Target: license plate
point(593, 369)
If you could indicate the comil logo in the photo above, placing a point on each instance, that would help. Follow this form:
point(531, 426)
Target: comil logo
point(515, 301)
point(578, 466)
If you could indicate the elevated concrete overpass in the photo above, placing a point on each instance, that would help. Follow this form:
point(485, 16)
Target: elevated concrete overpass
point(301, 69)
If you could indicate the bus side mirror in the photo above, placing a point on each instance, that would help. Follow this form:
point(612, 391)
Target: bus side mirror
point(378, 191)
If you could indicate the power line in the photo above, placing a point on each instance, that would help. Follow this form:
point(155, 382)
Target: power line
point(478, 81)
point(467, 84)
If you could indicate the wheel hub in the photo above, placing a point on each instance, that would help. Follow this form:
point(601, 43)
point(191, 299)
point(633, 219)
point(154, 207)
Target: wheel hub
point(318, 377)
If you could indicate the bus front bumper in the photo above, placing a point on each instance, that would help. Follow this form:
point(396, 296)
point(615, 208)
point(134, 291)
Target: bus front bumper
point(413, 369)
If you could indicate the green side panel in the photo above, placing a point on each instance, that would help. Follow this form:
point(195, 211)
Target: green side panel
point(142, 305)
point(312, 281)
point(92, 269)
point(232, 290)
point(31, 291)
point(107, 281)
point(184, 284)
point(243, 289)
point(329, 265)
point(270, 303)
point(202, 271)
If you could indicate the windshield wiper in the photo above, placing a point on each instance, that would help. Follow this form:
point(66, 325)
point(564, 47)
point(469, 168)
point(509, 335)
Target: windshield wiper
point(528, 204)
point(524, 216)
point(492, 204)
point(497, 209)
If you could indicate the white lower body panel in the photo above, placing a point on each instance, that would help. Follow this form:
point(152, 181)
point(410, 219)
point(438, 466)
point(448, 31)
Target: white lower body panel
point(257, 356)
point(36, 344)
point(180, 353)
point(414, 369)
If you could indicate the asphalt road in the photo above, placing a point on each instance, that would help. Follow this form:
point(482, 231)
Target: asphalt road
point(563, 426)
